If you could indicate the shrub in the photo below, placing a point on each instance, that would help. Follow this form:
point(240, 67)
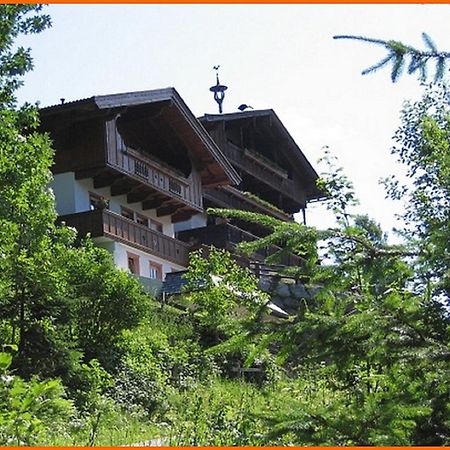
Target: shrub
point(30, 411)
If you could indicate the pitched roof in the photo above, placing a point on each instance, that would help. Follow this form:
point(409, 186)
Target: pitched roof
point(206, 149)
point(299, 161)
point(174, 283)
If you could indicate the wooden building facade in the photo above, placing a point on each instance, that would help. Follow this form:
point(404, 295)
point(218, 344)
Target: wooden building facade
point(276, 178)
point(138, 170)
point(130, 166)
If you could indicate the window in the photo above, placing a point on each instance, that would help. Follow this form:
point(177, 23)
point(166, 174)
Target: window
point(141, 220)
point(155, 271)
point(128, 213)
point(154, 225)
point(133, 263)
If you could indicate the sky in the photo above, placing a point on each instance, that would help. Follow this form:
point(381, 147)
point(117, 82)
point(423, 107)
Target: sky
point(282, 57)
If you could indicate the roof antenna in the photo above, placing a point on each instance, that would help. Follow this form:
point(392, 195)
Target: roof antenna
point(219, 90)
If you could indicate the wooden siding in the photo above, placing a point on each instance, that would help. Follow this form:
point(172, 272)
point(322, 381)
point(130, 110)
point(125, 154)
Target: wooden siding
point(231, 198)
point(108, 224)
point(147, 171)
point(249, 163)
point(78, 146)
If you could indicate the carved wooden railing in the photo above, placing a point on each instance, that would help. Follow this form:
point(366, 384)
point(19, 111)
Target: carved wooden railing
point(232, 198)
point(150, 172)
point(264, 173)
point(106, 223)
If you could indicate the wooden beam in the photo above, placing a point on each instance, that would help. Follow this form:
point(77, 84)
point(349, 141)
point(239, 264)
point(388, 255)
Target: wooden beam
point(134, 197)
point(167, 210)
point(104, 180)
point(122, 188)
point(86, 173)
point(153, 203)
point(204, 164)
point(182, 215)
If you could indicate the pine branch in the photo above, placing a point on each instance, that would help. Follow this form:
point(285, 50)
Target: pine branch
point(372, 250)
point(399, 54)
point(261, 219)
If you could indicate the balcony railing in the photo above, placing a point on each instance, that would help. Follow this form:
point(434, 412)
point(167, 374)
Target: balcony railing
point(265, 162)
point(227, 236)
point(230, 197)
point(108, 224)
point(148, 171)
point(265, 174)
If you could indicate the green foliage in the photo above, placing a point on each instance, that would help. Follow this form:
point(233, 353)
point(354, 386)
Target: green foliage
point(224, 295)
point(262, 202)
point(371, 330)
point(162, 355)
point(31, 247)
point(16, 61)
point(114, 427)
point(320, 409)
point(401, 56)
point(31, 409)
point(341, 196)
point(219, 414)
point(290, 237)
point(422, 145)
point(56, 301)
point(105, 301)
point(364, 361)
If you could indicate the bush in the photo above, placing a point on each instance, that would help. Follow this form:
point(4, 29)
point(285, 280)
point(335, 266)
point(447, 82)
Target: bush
point(30, 411)
point(160, 356)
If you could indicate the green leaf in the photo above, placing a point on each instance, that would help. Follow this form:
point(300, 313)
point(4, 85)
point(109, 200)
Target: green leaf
point(5, 361)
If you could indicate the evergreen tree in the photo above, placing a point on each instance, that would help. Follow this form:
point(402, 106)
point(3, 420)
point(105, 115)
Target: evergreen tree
point(371, 338)
point(30, 278)
point(58, 301)
point(422, 145)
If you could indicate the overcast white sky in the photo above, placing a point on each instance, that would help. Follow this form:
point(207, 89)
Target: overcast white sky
point(271, 56)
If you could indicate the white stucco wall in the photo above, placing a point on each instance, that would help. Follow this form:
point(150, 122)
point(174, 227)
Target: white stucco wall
point(72, 196)
point(120, 250)
point(63, 186)
point(115, 203)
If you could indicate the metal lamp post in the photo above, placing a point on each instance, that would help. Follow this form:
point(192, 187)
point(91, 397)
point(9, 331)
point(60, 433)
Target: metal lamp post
point(219, 90)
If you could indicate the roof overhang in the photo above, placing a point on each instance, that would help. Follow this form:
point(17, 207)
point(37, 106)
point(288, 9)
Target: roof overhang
point(292, 151)
point(214, 167)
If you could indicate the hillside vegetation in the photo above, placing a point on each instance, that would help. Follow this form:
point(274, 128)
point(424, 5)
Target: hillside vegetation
point(88, 358)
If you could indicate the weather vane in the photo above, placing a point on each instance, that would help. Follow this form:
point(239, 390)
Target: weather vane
point(219, 90)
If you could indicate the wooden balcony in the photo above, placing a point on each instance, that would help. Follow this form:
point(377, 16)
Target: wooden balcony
point(261, 160)
point(104, 223)
point(171, 186)
point(259, 169)
point(231, 198)
point(227, 236)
